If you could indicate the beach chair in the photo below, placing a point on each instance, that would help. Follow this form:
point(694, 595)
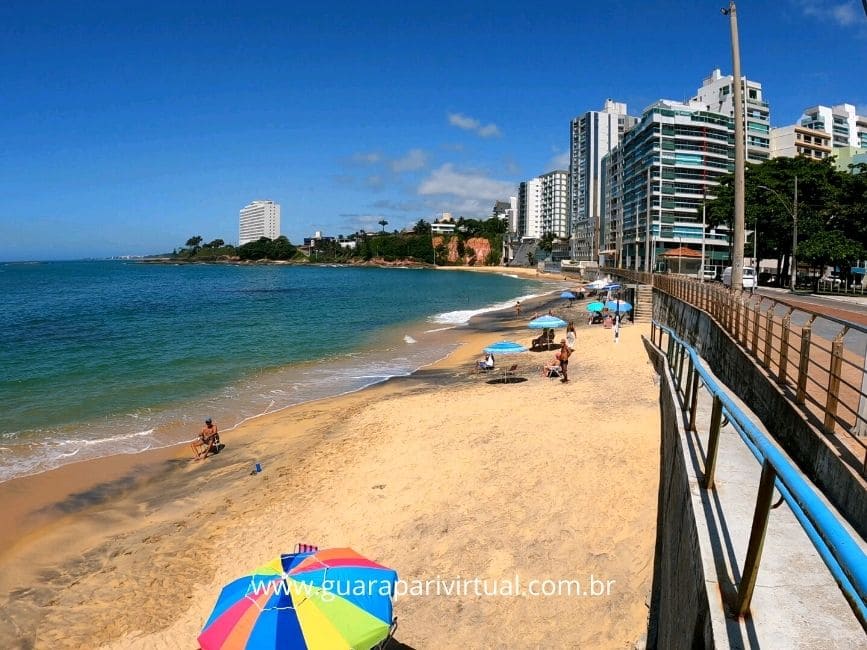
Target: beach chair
point(305, 548)
point(554, 371)
point(510, 373)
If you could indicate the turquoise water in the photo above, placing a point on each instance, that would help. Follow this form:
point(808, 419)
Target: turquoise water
point(98, 358)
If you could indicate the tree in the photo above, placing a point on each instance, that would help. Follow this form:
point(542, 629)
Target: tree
point(422, 227)
point(547, 242)
point(194, 243)
point(382, 222)
point(217, 243)
point(769, 211)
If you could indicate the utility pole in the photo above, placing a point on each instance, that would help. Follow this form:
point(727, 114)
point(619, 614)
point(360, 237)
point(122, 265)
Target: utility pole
point(795, 237)
point(647, 225)
point(737, 96)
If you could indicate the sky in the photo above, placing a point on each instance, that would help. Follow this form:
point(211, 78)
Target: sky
point(129, 127)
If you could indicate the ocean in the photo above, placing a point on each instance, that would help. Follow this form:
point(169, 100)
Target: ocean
point(107, 357)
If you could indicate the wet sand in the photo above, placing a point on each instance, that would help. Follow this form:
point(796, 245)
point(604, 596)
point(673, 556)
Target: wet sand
point(439, 475)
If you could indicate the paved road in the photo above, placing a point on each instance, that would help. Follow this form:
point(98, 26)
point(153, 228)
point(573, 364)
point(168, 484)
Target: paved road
point(850, 310)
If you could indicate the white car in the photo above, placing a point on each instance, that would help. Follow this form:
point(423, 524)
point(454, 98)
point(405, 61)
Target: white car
point(749, 281)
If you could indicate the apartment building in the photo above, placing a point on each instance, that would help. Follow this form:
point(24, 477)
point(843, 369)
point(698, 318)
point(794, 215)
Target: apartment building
point(657, 180)
point(591, 136)
point(717, 96)
point(543, 204)
point(795, 140)
point(259, 219)
point(846, 128)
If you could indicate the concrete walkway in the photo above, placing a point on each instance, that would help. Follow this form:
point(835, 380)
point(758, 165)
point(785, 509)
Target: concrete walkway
point(796, 603)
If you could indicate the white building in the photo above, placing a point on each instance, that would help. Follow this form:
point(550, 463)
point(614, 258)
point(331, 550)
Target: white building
point(259, 219)
point(543, 206)
point(796, 140)
point(443, 224)
point(846, 128)
point(592, 136)
point(717, 95)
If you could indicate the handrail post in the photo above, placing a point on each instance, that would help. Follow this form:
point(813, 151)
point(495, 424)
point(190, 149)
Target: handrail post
point(757, 538)
point(804, 362)
point(834, 380)
point(736, 316)
point(713, 442)
point(784, 348)
point(693, 396)
point(755, 342)
point(746, 321)
point(769, 336)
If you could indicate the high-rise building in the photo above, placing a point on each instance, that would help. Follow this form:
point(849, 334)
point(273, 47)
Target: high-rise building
point(543, 206)
point(717, 95)
point(846, 128)
point(259, 219)
point(657, 179)
point(796, 140)
point(591, 136)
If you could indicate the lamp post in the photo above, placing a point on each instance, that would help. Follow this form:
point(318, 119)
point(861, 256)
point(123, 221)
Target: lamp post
point(737, 96)
point(793, 212)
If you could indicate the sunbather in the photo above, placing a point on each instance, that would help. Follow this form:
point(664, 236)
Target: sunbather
point(486, 364)
point(208, 441)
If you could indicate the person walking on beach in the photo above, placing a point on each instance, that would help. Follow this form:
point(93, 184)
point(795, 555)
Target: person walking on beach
point(571, 336)
point(564, 360)
point(518, 309)
point(617, 320)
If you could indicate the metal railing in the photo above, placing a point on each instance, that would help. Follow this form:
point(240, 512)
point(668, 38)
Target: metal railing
point(820, 361)
point(840, 552)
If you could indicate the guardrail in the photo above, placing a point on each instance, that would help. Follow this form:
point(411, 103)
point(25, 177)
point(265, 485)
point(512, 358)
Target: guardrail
point(840, 552)
point(818, 359)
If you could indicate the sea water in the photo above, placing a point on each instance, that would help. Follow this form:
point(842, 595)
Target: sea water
point(108, 357)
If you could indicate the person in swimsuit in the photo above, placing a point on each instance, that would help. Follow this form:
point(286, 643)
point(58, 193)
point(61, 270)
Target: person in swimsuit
point(564, 354)
point(209, 440)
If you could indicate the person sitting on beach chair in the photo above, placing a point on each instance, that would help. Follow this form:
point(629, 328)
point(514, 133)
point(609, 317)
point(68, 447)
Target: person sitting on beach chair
point(486, 364)
point(552, 368)
point(208, 441)
point(544, 339)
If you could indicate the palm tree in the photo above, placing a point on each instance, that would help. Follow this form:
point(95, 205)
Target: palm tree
point(382, 222)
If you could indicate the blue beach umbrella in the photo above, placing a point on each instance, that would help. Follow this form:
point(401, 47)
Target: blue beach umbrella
point(547, 322)
point(505, 347)
point(568, 295)
point(618, 305)
point(595, 306)
point(611, 287)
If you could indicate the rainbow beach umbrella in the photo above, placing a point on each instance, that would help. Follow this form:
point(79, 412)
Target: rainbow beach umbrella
point(328, 599)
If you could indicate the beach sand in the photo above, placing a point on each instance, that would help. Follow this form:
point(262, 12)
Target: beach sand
point(441, 475)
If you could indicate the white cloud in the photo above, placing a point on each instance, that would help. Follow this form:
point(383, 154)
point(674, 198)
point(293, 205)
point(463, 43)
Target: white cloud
point(472, 124)
point(465, 185)
point(414, 160)
point(369, 158)
point(844, 14)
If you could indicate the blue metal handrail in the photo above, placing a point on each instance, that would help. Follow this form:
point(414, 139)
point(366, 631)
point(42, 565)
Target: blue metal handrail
point(840, 552)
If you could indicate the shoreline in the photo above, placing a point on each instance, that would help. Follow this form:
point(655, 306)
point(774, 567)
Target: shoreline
point(170, 424)
point(33, 501)
point(151, 534)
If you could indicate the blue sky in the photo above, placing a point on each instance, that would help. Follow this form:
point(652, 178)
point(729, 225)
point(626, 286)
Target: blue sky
point(128, 127)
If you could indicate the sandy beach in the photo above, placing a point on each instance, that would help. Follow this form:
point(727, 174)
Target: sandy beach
point(442, 475)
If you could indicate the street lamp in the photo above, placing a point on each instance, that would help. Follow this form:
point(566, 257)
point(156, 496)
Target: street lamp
point(793, 212)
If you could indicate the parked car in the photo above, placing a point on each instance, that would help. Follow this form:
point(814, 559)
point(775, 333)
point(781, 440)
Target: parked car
point(749, 280)
point(709, 273)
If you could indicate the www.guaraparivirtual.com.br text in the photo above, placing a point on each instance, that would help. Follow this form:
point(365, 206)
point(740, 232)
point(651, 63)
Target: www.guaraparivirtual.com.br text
point(439, 587)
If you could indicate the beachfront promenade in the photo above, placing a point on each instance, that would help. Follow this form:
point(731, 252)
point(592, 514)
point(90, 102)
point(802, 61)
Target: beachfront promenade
point(779, 567)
